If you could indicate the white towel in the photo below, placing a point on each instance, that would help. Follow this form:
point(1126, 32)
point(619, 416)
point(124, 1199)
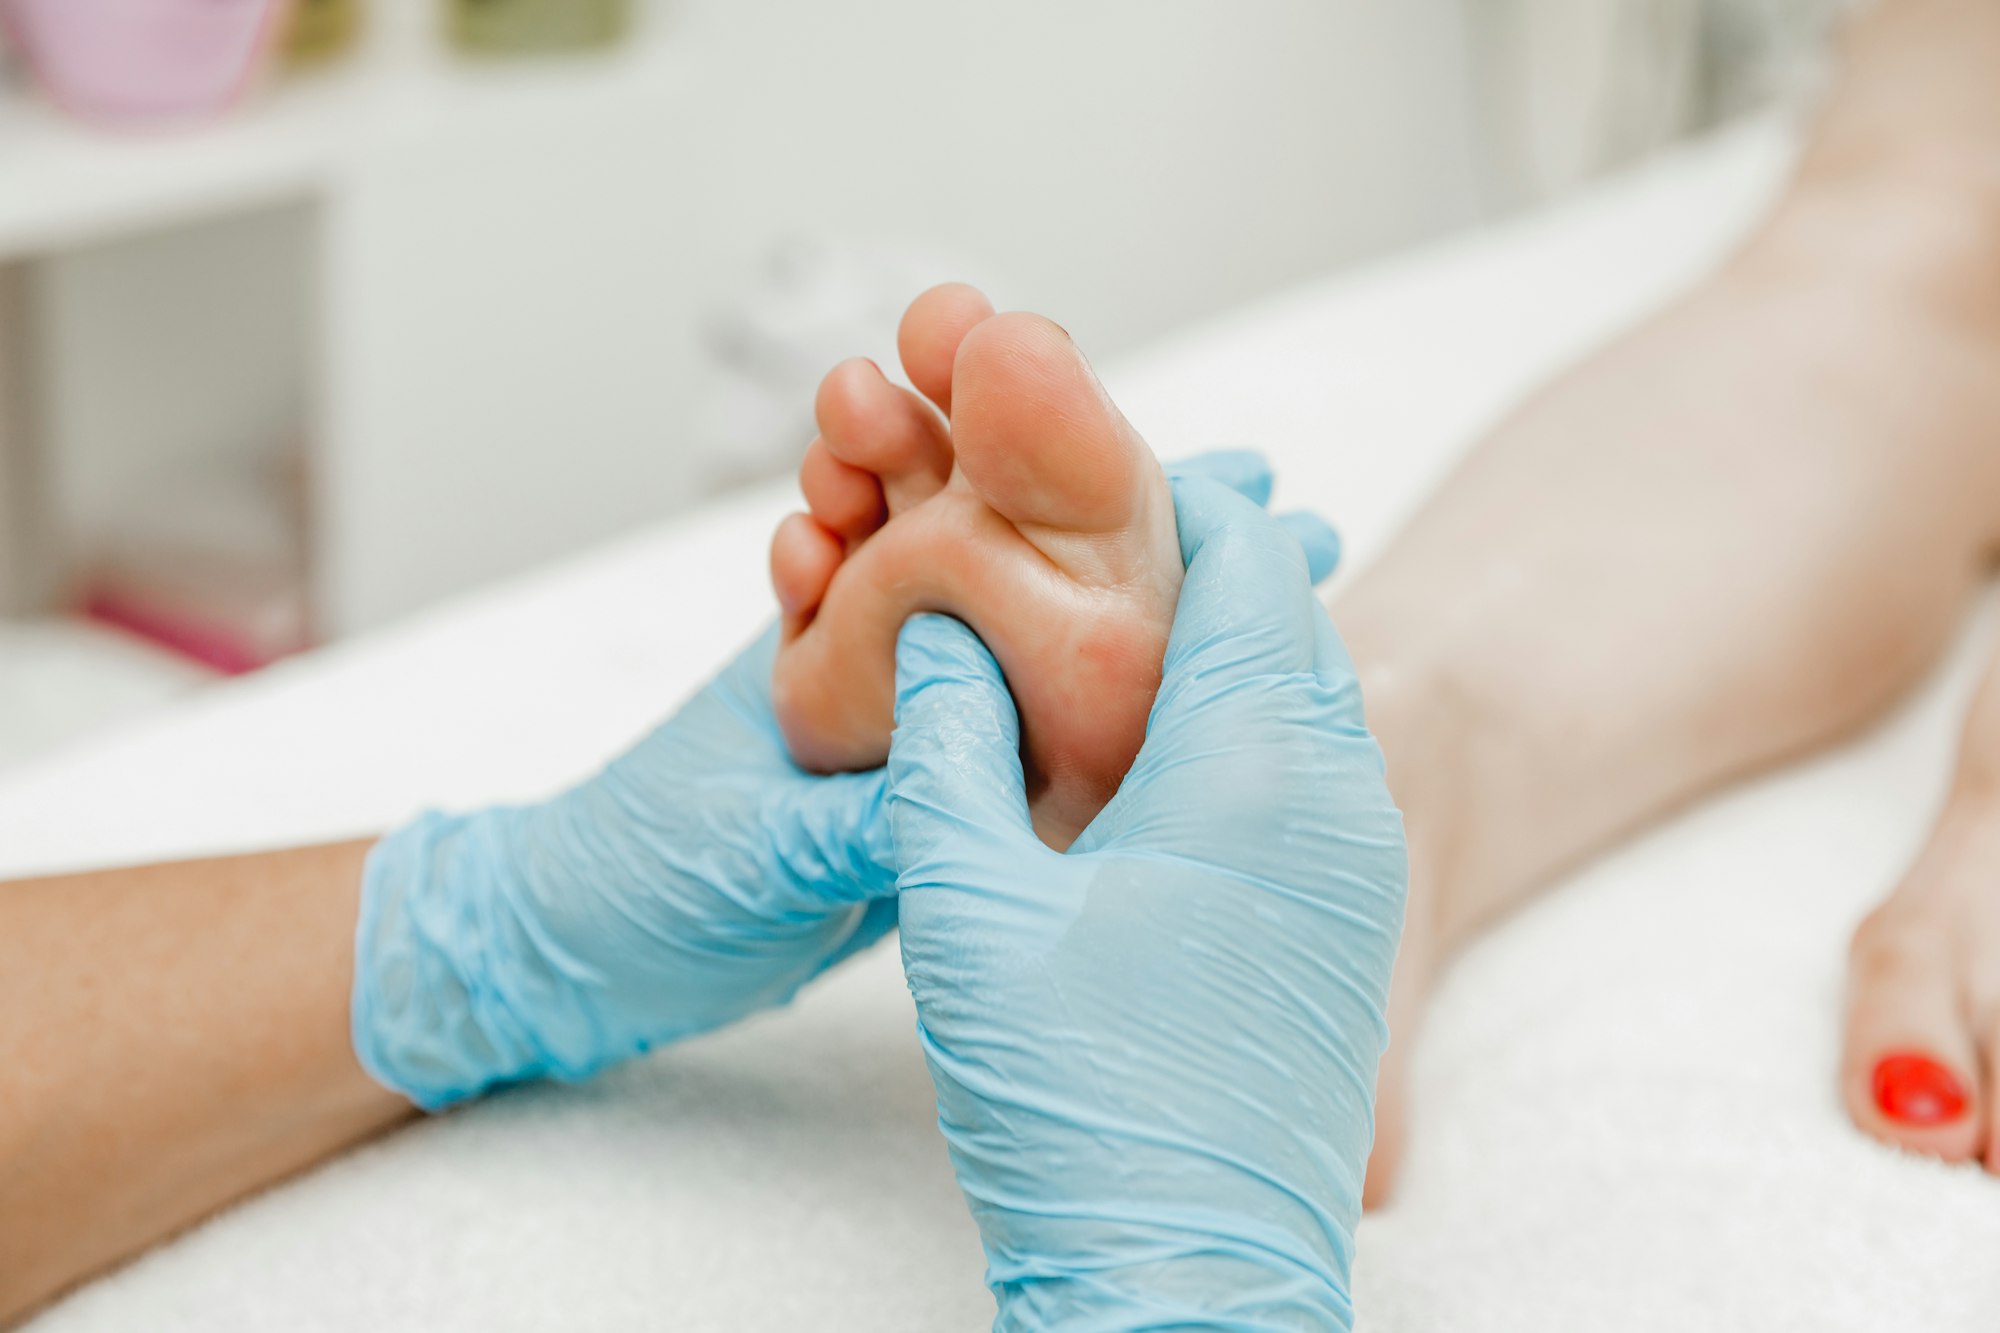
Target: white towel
point(1626, 1109)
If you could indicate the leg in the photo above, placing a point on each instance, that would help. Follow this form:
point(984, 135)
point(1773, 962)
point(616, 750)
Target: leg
point(1734, 535)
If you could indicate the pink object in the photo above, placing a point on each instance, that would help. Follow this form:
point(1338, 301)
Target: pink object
point(137, 62)
point(213, 644)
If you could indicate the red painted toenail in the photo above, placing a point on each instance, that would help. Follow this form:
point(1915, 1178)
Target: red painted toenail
point(1917, 1090)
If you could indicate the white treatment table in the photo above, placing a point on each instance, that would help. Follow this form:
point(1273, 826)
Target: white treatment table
point(1627, 1116)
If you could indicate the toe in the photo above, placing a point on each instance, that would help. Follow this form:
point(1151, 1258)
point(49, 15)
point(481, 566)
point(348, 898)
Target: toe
point(1036, 434)
point(804, 556)
point(844, 498)
point(1910, 1070)
point(872, 424)
point(933, 327)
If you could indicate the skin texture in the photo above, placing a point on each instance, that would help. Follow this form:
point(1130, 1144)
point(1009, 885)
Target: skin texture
point(1038, 517)
point(1735, 535)
point(174, 1036)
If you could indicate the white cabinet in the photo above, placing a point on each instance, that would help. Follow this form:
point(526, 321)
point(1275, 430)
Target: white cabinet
point(490, 282)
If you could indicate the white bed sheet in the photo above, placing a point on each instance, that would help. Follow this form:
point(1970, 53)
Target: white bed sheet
point(1626, 1118)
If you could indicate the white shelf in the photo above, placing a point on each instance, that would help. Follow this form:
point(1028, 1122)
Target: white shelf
point(64, 184)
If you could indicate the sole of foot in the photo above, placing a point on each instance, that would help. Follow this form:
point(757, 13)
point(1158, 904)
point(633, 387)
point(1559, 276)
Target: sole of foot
point(1009, 492)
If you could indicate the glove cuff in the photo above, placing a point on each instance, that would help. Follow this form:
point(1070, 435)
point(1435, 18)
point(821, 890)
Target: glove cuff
point(440, 957)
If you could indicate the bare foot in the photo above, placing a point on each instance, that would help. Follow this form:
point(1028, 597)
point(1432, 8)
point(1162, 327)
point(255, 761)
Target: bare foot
point(1922, 1063)
point(1040, 518)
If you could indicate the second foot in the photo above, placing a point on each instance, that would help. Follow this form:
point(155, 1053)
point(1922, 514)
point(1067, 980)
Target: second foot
point(1922, 1063)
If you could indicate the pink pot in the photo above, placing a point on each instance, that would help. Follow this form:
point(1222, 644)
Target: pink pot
point(137, 62)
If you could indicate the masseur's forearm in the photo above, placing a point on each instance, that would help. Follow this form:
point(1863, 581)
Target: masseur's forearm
point(171, 1038)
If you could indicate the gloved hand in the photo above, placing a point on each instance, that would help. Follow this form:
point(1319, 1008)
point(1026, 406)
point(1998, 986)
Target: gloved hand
point(698, 879)
point(1155, 1055)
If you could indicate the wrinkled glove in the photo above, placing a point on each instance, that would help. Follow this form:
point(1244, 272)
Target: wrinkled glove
point(700, 878)
point(1155, 1055)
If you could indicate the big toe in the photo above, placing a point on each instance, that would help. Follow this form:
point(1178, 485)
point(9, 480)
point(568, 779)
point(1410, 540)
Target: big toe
point(1038, 437)
point(1910, 1071)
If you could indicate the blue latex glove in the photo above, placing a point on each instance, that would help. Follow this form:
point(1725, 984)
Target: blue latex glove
point(699, 879)
point(1155, 1055)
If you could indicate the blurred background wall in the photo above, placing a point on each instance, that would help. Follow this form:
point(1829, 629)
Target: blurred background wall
point(1126, 166)
point(412, 320)
point(1566, 89)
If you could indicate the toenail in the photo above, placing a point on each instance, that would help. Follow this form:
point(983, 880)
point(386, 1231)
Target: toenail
point(1917, 1090)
